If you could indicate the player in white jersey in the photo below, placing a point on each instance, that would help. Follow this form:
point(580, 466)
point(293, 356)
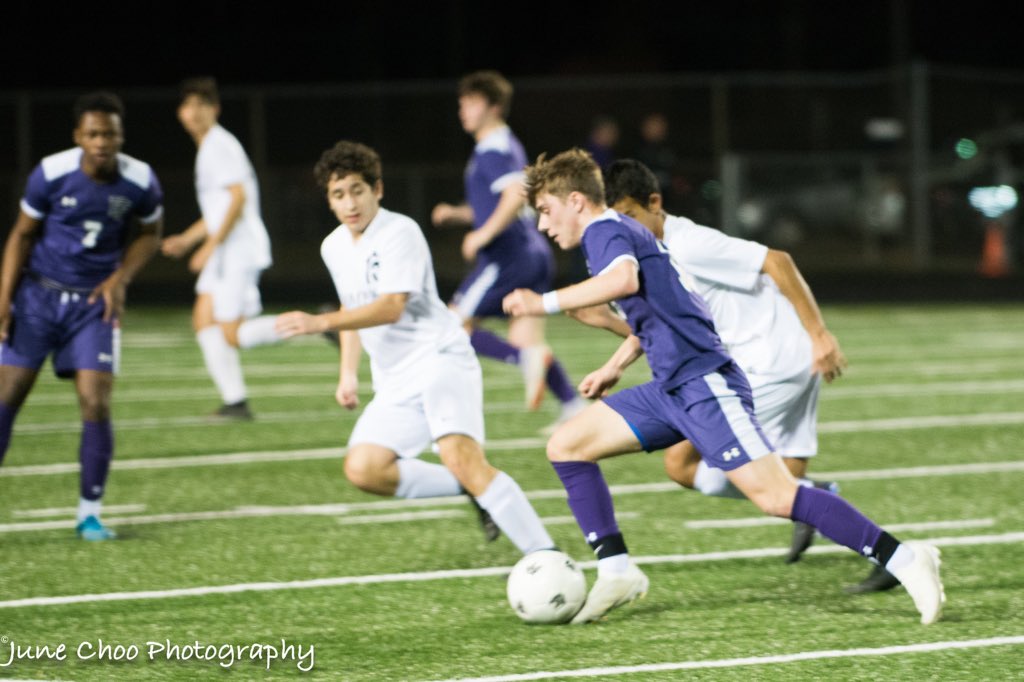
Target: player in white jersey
point(426, 378)
point(233, 248)
point(769, 321)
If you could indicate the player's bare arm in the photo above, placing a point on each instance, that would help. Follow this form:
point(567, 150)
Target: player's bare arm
point(451, 215)
point(386, 309)
point(601, 317)
point(19, 243)
point(234, 212)
point(509, 205)
point(177, 245)
point(828, 358)
point(347, 394)
point(622, 280)
point(598, 382)
point(114, 288)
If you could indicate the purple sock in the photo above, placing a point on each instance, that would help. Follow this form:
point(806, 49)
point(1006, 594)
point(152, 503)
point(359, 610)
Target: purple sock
point(558, 382)
point(837, 519)
point(94, 454)
point(7, 415)
point(589, 498)
point(490, 345)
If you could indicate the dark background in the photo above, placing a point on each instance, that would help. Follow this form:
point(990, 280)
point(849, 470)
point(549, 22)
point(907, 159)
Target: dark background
point(153, 44)
point(801, 78)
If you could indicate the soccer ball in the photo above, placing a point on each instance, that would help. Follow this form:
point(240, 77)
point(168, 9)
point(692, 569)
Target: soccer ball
point(546, 587)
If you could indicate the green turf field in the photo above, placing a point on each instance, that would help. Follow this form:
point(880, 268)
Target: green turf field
point(247, 534)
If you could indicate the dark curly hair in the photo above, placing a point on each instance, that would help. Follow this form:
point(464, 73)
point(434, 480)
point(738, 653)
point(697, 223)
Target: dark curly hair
point(346, 158)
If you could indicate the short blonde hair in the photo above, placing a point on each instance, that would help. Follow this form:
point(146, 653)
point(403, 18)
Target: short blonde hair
point(571, 171)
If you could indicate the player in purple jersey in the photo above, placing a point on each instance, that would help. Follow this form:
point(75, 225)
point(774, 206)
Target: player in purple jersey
point(508, 251)
point(66, 265)
point(697, 393)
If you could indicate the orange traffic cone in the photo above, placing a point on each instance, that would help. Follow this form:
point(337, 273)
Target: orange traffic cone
point(995, 261)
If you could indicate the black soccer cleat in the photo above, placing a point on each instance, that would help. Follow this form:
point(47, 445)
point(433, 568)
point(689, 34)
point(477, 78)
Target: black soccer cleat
point(803, 537)
point(879, 580)
point(487, 524)
point(234, 412)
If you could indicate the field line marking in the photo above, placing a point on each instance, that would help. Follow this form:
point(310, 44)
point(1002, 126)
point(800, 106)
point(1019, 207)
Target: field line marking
point(926, 647)
point(450, 574)
point(837, 426)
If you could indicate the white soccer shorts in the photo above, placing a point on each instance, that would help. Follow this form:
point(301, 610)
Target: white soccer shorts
point(788, 412)
point(233, 287)
point(450, 402)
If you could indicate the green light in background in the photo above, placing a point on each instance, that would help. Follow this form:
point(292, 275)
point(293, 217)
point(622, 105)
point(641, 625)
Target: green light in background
point(966, 148)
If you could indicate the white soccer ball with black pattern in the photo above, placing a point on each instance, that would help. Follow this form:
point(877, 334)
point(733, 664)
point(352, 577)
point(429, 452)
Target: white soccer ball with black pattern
point(546, 587)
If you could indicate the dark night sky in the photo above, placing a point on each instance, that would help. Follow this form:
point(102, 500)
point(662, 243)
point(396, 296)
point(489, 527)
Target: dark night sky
point(301, 42)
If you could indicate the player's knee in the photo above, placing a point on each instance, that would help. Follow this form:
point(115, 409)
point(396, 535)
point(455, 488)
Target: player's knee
point(679, 472)
point(361, 472)
point(465, 459)
point(94, 408)
point(565, 446)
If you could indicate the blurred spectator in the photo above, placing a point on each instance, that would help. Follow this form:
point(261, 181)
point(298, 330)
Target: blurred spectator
point(655, 153)
point(604, 135)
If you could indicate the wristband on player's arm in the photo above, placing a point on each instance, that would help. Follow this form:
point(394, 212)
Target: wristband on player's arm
point(550, 302)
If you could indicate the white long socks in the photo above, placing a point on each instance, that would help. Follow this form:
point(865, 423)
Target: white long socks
point(505, 501)
point(417, 478)
point(222, 363)
point(258, 331)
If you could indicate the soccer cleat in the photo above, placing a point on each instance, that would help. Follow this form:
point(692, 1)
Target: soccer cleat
point(234, 412)
point(611, 591)
point(879, 580)
point(803, 537)
point(568, 411)
point(93, 530)
point(921, 579)
point(534, 362)
point(487, 524)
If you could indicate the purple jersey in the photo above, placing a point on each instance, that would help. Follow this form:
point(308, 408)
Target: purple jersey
point(498, 160)
point(672, 322)
point(85, 223)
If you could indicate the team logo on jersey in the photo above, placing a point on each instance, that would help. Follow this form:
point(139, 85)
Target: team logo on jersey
point(372, 268)
point(68, 202)
point(118, 207)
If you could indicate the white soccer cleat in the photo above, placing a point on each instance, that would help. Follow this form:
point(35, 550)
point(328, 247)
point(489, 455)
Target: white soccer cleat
point(921, 579)
point(612, 591)
point(534, 362)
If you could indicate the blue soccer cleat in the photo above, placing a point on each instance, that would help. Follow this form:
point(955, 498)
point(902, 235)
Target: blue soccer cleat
point(92, 529)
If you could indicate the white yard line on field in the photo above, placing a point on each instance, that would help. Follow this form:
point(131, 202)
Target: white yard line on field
point(424, 576)
point(750, 660)
point(305, 416)
point(326, 390)
point(64, 511)
point(756, 521)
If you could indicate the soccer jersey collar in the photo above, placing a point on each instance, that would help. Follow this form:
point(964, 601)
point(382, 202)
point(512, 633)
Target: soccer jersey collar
point(609, 214)
point(497, 139)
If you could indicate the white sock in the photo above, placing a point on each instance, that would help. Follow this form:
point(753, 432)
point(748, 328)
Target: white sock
point(417, 478)
point(714, 483)
point(613, 565)
point(88, 508)
point(505, 501)
point(900, 558)
point(223, 364)
point(259, 331)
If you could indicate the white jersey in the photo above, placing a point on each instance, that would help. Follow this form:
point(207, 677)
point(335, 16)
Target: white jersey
point(392, 257)
point(758, 325)
point(220, 163)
